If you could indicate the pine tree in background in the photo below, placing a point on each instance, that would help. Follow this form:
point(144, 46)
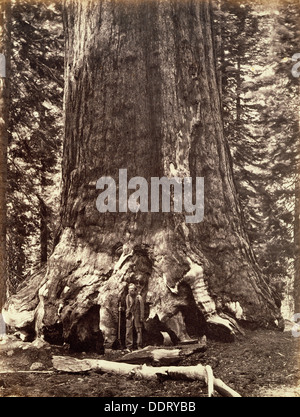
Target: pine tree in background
point(35, 134)
point(261, 125)
point(286, 159)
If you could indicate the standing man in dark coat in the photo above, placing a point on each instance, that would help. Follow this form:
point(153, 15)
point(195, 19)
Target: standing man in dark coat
point(134, 317)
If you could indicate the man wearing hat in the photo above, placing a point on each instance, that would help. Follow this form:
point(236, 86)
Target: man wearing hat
point(134, 317)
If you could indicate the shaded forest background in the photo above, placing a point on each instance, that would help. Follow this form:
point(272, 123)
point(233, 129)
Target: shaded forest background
point(254, 45)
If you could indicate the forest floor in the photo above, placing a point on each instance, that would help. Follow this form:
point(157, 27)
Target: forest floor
point(261, 364)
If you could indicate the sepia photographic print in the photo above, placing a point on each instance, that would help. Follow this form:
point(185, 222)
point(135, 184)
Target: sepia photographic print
point(149, 201)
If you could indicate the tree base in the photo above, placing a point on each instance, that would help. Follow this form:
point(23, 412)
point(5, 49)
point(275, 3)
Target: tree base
point(76, 300)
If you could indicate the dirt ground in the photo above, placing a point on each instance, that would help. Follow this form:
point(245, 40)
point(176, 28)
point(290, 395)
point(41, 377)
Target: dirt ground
point(261, 364)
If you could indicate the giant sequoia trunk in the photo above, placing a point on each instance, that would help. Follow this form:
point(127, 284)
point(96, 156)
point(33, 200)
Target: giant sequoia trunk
point(4, 99)
point(141, 94)
point(297, 237)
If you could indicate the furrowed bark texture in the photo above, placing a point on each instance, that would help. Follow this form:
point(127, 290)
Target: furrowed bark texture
point(4, 96)
point(141, 94)
point(297, 236)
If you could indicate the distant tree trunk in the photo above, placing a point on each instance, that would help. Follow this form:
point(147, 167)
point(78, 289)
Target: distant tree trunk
point(238, 93)
point(43, 220)
point(4, 103)
point(43, 232)
point(141, 94)
point(219, 47)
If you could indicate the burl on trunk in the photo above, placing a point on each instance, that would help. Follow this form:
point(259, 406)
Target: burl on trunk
point(141, 94)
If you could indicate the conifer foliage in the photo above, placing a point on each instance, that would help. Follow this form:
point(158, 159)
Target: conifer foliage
point(261, 122)
point(35, 134)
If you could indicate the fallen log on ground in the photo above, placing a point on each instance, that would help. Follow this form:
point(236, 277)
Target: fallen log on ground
point(195, 373)
point(163, 356)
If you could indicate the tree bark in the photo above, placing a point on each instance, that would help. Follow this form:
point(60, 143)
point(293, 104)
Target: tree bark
point(4, 104)
point(141, 94)
point(297, 234)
